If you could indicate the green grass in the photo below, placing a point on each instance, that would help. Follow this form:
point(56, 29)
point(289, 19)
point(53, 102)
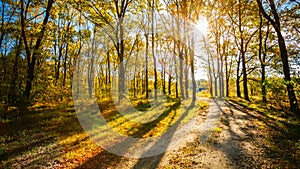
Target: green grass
point(204, 93)
point(137, 123)
point(48, 135)
point(43, 135)
point(203, 104)
point(216, 130)
point(281, 128)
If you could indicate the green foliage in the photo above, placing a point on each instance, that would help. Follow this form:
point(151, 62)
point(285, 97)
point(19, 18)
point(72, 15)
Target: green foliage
point(282, 127)
point(217, 130)
point(204, 93)
point(277, 92)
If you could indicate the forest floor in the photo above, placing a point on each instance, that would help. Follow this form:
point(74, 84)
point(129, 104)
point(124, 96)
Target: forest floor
point(243, 138)
point(239, 138)
point(230, 134)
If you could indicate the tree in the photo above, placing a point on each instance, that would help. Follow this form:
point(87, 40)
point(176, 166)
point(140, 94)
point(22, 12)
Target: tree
point(153, 47)
point(32, 54)
point(274, 18)
point(262, 52)
point(111, 21)
point(8, 35)
point(244, 33)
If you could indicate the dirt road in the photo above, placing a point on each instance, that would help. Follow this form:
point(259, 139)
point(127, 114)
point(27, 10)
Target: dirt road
point(235, 142)
point(226, 136)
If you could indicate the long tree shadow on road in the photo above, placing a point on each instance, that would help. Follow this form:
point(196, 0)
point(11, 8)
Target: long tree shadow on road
point(231, 146)
point(153, 162)
point(106, 159)
point(278, 134)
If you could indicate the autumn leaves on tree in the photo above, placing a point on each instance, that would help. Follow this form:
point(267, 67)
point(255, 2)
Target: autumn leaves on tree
point(146, 45)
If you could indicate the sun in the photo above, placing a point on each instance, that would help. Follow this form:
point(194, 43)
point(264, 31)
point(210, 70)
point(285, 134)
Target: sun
point(202, 25)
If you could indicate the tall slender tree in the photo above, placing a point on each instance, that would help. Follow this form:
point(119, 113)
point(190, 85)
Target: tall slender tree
point(32, 54)
point(274, 18)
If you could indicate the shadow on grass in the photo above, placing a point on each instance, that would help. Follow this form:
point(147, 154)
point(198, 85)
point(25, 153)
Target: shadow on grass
point(150, 162)
point(111, 114)
point(36, 138)
point(37, 130)
point(153, 162)
point(146, 127)
point(281, 134)
point(287, 123)
point(232, 147)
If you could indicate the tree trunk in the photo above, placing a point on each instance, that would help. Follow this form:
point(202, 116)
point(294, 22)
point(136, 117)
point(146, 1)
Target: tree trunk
point(169, 84)
point(245, 80)
point(226, 76)
point(264, 90)
point(181, 75)
point(238, 89)
point(210, 86)
point(194, 85)
point(283, 53)
point(242, 50)
point(262, 60)
point(13, 93)
point(91, 66)
point(263, 84)
point(210, 76)
point(222, 80)
point(186, 75)
point(121, 79)
point(146, 62)
point(58, 63)
point(176, 71)
point(134, 74)
point(218, 72)
point(216, 86)
point(170, 79)
point(286, 69)
point(108, 66)
point(31, 56)
point(65, 69)
point(153, 51)
point(164, 79)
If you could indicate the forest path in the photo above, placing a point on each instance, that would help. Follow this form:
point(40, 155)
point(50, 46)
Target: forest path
point(235, 142)
point(224, 137)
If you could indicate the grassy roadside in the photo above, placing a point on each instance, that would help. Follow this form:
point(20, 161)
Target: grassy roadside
point(277, 132)
point(281, 131)
point(51, 136)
